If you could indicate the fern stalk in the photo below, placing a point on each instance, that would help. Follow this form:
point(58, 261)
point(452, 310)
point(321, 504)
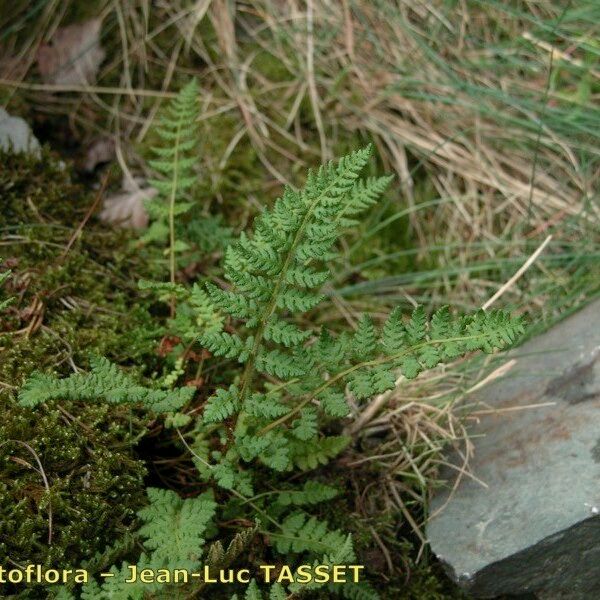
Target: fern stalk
point(172, 199)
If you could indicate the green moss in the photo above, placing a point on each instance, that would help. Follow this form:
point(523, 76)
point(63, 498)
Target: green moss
point(76, 291)
point(75, 294)
point(94, 483)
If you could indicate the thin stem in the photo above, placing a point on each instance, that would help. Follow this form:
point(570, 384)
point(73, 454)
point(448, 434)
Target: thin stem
point(232, 491)
point(172, 199)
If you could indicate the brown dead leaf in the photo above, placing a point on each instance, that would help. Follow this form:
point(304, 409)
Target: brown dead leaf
point(101, 150)
point(167, 344)
point(73, 55)
point(126, 209)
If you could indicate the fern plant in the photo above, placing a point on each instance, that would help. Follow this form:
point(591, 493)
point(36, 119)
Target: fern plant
point(277, 274)
point(174, 162)
point(286, 382)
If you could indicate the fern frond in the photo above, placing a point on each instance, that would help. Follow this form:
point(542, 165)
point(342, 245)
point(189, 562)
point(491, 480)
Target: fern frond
point(164, 290)
point(277, 453)
point(312, 492)
point(364, 194)
point(394, 333)
point(365, 338)
point(236, 305)
point(303, 533)
point(229, 345)
point(221, 405)
point(361, 385)
point(333, 403)
point(416, 326)
point(176, 156)
point(174, 163)
point(173, 527)
point(105, 381)
point(329, 351)
point(229, 477)
point(280, 364)
point(208, 319)
point(253, 592)
point(306, 426)
point(318, 452)
point(306, 277)
point(277, 592)
point(265, 406)
point(284, 333)
point(273, 448)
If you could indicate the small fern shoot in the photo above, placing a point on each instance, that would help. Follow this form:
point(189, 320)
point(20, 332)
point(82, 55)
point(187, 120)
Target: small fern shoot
point(174, 162)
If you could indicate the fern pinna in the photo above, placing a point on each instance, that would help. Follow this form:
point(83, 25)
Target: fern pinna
point(272, 413)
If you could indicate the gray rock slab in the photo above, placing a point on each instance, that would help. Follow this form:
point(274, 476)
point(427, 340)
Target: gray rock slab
point(16, 136)
point(535, 528)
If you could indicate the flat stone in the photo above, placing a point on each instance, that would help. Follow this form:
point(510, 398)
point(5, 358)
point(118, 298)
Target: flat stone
point(16, 136)
point(535, 528)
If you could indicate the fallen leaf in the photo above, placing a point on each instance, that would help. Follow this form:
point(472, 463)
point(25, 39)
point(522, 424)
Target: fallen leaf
point(195, 382)
point(73, 54)
point(126, 209)
point(101, 150)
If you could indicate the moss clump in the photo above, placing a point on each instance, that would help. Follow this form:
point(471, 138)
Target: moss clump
point(74, 294)
point(94, 483)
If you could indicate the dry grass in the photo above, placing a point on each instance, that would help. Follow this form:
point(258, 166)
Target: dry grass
point(403, 436)
point(476, 106)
